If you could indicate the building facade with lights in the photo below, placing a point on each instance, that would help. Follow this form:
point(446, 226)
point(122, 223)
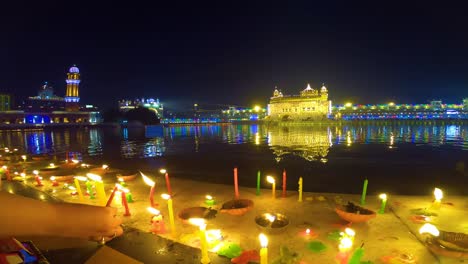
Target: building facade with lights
point(150, 103)
point(311, 105)
point(49, 109)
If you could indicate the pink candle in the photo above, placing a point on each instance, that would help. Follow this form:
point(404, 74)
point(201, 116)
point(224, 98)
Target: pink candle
point(111, 197)
point(125, 204)
point(54, 181)
point(151, 196)
point(284, 183)
point(236, 184)
point(168, 184)
point(153, 185)
point(38, 181)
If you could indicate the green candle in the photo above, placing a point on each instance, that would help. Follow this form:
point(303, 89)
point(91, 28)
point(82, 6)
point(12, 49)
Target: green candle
point(357, 256)
point(383, 197)
point(90, 189)
point(129, 197)
point(258, 183)
point(364, 192)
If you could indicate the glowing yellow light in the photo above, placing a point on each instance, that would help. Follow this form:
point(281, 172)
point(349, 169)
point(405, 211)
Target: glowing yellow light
point(23, 175)
point(105, 167)
point(263, 240)
point(147, 180)
point(75, 161)
point(256, 108)
point(307, 231)
point(270, 179)
point(391, 104)
point(72, 188)
point(4, 167)
point(51, 165)
point(16, 173)
point(438, 194)
point(36, 172)
point(383, 196)
point(209, 197)
point(348, 104)
point(165, 196)
point(52, 178)
point(428, 228)
point(197, 221)
point(153, 211)
point(163, 171)
point(350, 232)
point(81, 178)
point(345, 244)
point(24, 157)
point(94, 177)
point(270, 217)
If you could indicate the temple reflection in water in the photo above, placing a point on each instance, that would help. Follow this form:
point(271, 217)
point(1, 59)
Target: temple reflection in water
point(310, 143)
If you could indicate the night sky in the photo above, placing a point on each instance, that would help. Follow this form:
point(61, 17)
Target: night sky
point(219, 55)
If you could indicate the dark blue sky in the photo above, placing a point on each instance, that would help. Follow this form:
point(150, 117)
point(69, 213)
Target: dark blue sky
point(236, 54)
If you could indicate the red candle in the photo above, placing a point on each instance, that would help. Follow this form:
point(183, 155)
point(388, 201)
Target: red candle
point(38, 181)
point(284, 183)
point(125, 204)
point(7, 174)
point(168, 184)
point(54, 181)
point(111, 197)
point(153, 185)
point(236, 184)
point(151, 196)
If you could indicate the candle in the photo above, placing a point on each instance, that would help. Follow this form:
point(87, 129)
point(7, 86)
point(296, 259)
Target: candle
point(236, 184)
point(438, 195)
point(54, 182)
point(171, 211)
point(89, 188)
point(383, 197)
point(124, 202)
point(264, 249)
point(157, 222)
point(24, 157)
point(151, 183)
point(38, 178)
point(346, 240)
point(357, 256)
point(273, 186)
point(200, 222)
point(364, 192)
point(77, 180)
point(258, 183)
point(168, 183)
point(111, 197)
point(23, 175)
point(209, 200)
point(105, 167)
point(129, 196)
point(101, 193)
point(284, 183)
point(300, 190)
point(122, 182)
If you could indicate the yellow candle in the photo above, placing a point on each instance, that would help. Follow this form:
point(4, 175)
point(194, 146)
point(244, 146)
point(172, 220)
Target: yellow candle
point(171, 212)
point(273, 186)
point(78, 188)
point(99, 188)
point(264, 249)
point(300, 190)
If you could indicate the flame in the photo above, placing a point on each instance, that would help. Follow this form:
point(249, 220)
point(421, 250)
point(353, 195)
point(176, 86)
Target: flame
point(197, 221)
point(51, 165)
point(72, 188)
point(52, 178)
point(94, 177)
point(153, 211)
point(165, 196)
point(75, 161)
point(162, 171)
point(81, 178)
point(23, 175)
point(36, 172)
point(383, 196)
point(147, 180)
point(23, 157)
point(4, 167)
point(263, 240)
point(307, 231)
point(209, 197)
point(428, 228)
point(438, 194)
point(345, 243)
point(350, 232)
point(105, 166)
point(270, 179)
point(270, 217)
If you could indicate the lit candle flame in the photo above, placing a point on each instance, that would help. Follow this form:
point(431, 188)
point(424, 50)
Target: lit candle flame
point(36, 172)
point(350, 232)
point(153, 211)
point(72, 188)
point(75, 161)
point(23, 157)
point(147, 180)
point(345, 243)
point(162, 171)
point(270, 217)
point(23, 175)
point(263, 240)
point(270, 179)
point(51, 165)
point(428, 228)
point(438, 194)
point(197, 221)
point(81, 178)
point(52, 178)
point(307, 231)
point(383, 196)
point(105, 167)
point(94, 177)
point(209, 197)
point(165, 196)
point(4, 167)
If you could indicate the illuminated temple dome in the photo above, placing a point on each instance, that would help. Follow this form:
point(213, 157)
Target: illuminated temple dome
point(323, 89)
point(308, 91)
point(74, 69)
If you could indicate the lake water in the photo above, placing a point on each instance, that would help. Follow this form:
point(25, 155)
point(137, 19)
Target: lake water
point(396, 158)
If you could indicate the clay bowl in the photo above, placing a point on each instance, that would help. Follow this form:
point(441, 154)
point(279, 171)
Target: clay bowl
point(237, 206)
point(196, 212)
point(279, 224)
point(354, 213)
point(449, 244)
point(129, 177)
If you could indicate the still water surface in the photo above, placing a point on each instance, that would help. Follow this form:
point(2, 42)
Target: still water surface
point(396, 158)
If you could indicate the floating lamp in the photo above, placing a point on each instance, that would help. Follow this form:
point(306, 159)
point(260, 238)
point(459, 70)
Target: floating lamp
point(273, 185)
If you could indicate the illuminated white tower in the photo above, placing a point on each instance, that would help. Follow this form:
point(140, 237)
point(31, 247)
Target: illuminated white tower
point(72, 96)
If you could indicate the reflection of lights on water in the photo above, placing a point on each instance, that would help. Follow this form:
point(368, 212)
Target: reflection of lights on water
point(348, 139)
point(257, 138)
